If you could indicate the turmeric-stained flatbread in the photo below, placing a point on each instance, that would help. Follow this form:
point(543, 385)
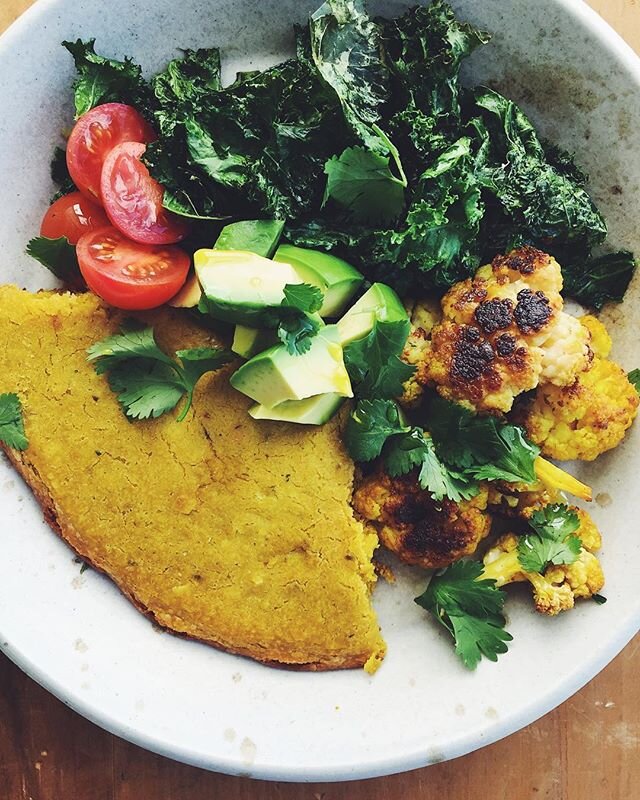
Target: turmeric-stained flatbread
point(236, 532)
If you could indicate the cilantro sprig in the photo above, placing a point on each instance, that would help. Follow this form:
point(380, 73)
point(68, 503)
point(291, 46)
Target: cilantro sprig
point(470, 608)
point(374, 362)
point(295, 326)
point(634, 378)
point(553, 540)
point(148, 382)
point(12, 432)
point(482, 447)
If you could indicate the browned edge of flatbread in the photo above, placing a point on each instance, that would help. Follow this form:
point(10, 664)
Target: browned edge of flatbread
point(34, 481)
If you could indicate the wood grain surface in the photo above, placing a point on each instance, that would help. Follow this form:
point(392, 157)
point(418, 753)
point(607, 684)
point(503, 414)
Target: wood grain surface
point(588, 749)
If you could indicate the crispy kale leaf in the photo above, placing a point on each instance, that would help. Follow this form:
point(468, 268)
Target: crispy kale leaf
point(11, 423)
point(347, 52)
point(148, 382)
point(470, 608)
point(601, 279)
point(367, 144)
point(104, 80)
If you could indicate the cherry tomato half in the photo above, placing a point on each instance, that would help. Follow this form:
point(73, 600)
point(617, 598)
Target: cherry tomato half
point(133, 199)
point(95, 135)
point(129, 275)
point(72, 216)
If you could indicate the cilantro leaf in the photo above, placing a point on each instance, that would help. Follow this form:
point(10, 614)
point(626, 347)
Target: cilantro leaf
point(484, 446)
point(295, 319)
point(514, 457)
point(147, 382)
point(412, 450)
point(296, 332)
point(374, 361)
point(553, 540)
point(303, 296)
point(129, 343)
point(11, 424)
point(145, 388)
point(58, 256)
point(361, 181)
point(634, 378)
point(369, 426)
point(470, 609)
point(196, 363)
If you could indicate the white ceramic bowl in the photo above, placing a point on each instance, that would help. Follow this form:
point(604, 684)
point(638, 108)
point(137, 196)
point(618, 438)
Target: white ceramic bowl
point(79, 638)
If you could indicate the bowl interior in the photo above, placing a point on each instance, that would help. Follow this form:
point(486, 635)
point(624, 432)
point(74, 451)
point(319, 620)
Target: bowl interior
point(76, 634)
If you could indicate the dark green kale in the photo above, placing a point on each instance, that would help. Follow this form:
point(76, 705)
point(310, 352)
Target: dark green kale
point(367, 144)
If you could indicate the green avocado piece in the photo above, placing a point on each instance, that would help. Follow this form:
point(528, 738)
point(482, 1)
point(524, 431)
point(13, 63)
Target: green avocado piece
point(312, 411)
point(275, 375)
point(247, 342)
point(241, 287)
point(259, 236)
point(380, 303)
point(339, 280)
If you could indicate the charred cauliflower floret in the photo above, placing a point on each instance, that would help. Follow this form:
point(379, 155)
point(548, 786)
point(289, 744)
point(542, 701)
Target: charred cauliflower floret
point(600, 340)
point(415, 527)
point(520, 500)
point(585, 419)
point(424, 315)
point(558, 587)
point(504, 332)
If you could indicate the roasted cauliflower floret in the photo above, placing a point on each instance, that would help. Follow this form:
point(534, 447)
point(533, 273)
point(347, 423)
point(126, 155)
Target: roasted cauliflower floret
point(419, 530)
point(585, 419)
point(520, 500)
point(600, 340)
point(424, 315)
point(557, 589)
point(503, 332)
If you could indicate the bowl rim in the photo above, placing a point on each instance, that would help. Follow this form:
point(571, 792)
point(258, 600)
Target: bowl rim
point(465, 743)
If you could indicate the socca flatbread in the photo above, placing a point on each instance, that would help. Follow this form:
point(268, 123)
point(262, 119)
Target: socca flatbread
point(236, 532)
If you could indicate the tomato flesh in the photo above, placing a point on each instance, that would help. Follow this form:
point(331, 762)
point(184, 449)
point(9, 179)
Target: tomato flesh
point(130, 275)
point(133, 199)
point(95, 135)
point(72, 216)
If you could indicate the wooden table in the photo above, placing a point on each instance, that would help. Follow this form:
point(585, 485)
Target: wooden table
point(588, 749)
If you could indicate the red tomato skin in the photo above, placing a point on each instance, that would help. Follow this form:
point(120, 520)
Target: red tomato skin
point(130, 275)
point(93, 137)
point(72, 216)
point(133, 199)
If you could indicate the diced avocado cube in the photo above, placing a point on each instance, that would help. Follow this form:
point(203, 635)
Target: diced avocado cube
point(380, 303)
point(312, 411)
point(338, 279)
point(259, 236)
point(239, 286)
point(247, 342)
point(276, 375)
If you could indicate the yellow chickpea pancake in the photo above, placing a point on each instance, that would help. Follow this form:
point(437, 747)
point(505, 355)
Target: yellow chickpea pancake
point(219, 527)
